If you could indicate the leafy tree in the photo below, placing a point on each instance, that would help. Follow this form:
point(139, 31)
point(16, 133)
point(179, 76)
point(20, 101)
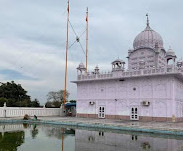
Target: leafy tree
point(15, 96)
point(55, 99)
point(35, 103)
point(14, 93)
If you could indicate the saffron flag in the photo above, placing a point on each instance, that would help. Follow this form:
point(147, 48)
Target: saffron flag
point(68, 8)
point(87, 14)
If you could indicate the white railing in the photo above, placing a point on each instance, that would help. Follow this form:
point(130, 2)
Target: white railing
point(11, 127)
point(21, 111)
point(150, 71)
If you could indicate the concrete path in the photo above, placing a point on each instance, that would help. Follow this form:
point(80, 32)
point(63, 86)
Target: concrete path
point(129, 125)
point(147, 125)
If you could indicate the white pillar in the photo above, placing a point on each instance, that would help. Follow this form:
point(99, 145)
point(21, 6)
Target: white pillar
point(174, 115)
point(4, 109)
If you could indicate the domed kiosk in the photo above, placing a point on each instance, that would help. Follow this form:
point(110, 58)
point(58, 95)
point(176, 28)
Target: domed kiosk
point(81, 68)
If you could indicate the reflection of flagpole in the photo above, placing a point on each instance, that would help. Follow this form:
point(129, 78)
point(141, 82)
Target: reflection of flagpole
point(63, 139)
point(86, 40)
point(67, 41)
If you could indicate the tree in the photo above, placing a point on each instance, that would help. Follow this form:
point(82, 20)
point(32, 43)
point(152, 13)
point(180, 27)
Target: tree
point(15, 96)
point(14, 93)
point(2, 100)
point(35, 103)
point(55, 99)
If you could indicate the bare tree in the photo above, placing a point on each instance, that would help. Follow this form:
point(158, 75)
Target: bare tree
point(55, 99)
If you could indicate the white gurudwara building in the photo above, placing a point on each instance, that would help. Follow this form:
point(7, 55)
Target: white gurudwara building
point(151, 89)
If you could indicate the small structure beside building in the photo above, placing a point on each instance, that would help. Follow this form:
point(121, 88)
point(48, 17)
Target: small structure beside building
point(150, 89)
point(70, 109)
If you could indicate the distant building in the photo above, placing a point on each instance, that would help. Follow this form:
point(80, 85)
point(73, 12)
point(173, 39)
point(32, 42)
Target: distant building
point(151, 89)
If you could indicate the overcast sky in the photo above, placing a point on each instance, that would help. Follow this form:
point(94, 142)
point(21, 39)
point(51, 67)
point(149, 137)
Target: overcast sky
point(33, 35)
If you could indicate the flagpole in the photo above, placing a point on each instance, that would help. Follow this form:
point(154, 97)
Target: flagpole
point(86, 40)
point(66, 53)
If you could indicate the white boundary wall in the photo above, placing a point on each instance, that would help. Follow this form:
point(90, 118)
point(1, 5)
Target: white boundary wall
point(21, 111)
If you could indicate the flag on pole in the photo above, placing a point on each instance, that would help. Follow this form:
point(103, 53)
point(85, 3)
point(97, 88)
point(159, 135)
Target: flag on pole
point(87, 14)
point(68, 7)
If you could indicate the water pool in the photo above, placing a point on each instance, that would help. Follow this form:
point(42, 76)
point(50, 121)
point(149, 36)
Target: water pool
point(24, 137)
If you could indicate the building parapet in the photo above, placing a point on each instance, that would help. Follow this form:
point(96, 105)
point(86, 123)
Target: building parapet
point(126, 74)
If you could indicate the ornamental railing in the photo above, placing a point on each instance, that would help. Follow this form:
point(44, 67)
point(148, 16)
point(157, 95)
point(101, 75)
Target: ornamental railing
point(124, 74)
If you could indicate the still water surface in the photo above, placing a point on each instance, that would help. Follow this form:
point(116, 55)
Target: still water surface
point(25, 137)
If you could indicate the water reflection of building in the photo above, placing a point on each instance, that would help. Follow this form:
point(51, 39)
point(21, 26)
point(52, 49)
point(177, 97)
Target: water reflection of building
point(86, 140)
point(107, 141)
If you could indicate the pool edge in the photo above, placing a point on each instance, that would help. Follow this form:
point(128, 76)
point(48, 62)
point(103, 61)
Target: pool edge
point(97, 125)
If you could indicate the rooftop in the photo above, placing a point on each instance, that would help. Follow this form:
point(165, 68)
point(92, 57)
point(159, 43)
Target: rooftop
point(129, 74)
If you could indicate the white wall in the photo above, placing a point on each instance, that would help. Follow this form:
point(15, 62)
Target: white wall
point(120, 96)
point(21, 111)
point(179, 98)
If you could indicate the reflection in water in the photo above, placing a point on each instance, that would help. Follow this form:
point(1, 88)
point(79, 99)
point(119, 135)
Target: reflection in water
point(25, 125)
point(45, 138)
point(58, 131)
point(96, 141)
point(34, 131)
point(9, 141)
point(63, 139)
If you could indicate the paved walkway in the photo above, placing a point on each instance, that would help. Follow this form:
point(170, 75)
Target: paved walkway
point(167, 126)
point(147, 125)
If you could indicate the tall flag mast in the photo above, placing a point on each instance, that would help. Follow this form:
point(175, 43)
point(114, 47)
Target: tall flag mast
point(86, 40)
point(66, 53)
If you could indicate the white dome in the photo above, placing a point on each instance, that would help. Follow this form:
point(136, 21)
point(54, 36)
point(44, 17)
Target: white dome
point(170, 52)
point(118, 60)
point(97, 67)
point(148, 39)
point(81, 65)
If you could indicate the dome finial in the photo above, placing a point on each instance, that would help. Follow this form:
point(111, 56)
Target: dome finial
point(147, 19)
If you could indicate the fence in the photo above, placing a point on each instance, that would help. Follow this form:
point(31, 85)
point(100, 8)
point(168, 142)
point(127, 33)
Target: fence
point(21, 111)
